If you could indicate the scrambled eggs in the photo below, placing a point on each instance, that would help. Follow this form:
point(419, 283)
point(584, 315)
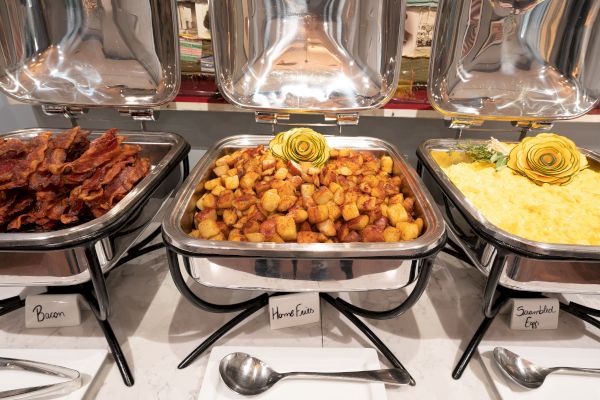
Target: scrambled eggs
point(567, 214)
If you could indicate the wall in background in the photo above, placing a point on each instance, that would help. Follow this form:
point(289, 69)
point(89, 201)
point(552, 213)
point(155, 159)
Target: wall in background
point(203, 129)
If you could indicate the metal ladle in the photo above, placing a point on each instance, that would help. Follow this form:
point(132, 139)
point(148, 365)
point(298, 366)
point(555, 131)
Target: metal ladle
point(528, 374)
point(250, 376)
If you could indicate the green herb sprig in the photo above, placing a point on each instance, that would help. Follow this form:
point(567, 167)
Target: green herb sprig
point(484, 153)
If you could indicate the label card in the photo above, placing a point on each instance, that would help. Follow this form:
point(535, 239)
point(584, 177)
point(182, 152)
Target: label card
point(534, 314)
point(294, 309)
point(52, 311)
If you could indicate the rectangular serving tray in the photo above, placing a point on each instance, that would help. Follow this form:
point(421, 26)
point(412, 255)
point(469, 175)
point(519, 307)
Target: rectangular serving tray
point(62, 257)
point(179, 218)
point(529, 265)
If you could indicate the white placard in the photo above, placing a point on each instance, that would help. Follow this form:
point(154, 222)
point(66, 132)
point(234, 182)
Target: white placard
point(294, 309)
point(534, 314)
point(52, 311)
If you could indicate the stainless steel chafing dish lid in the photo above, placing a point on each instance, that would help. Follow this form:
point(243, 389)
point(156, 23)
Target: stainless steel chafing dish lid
point(515, 60)
point(87, 53)
point(314, 56)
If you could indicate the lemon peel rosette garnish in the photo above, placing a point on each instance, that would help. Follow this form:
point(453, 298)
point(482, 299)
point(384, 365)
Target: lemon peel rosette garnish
point(301, 145)
point(547, 158)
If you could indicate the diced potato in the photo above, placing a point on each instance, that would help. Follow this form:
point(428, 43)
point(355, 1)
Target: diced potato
point(334, 186)
point(249, 179)
point(213, 183)
point(391, 234)
point(231, 182)
point(255, 237)
point(296, 181)
point(308, 237)
point(275, 239)
point(397, 199)
point(408, 230)
point(223, 160)
point(378, 192)
point(270, 200)
point(235, 235)
point(269, 171)
point(358, 223)
point(208, 228)
point(229, 217)
point(281, 173)
point(262, 187)
point(384, 208)
point(323, 195)
point(219, 236)
point(365, 187)
point(352, 236)
point(195, 233)
point(420, 223)
point(334, 211)
point(396, 213)
point(251, 226)
point(269, 164)
point(387, 164)
point(221, 170)
point(350, 211)
point(308, 202)
point(366, 202)
point(232, 172)
point(344, 153)
point(268, 227)
point(244, 202)
point(339, 197)
point(286, 228)
point(373, 233)
point(350, 197)
point(305, 227)
point(327, 228)
point(300, 215)
point(218, 190)
point(344, 171)
point(307, 189)
point(207, 213)
point(225, 199)
point(409, 204)
point(318, 213)
point(209, 200)
point(287, 201)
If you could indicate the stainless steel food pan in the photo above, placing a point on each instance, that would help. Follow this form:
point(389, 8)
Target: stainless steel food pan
point(178, 220)
point(62, 257)
point(526, 264)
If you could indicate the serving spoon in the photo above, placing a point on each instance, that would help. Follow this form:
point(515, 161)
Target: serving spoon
point(528, 374)
point(250, 376)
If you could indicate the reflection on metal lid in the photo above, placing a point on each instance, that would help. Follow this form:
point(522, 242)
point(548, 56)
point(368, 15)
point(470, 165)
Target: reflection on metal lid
point(89, 52)
point(516, 59)
point(323, 55)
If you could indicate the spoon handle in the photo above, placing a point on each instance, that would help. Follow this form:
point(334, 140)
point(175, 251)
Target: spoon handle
point(393, 376)
point(580, 370)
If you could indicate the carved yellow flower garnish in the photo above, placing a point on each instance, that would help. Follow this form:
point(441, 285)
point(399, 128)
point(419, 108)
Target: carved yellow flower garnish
point(547, 158)
point(301, 145)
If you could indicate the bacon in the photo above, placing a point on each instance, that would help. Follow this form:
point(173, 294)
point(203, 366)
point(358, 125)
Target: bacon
point(50, 182)
point(14, 173)
point(100, 151)
point(120, 186)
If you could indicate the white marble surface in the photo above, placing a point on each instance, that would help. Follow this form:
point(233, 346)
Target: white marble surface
point(158, 328)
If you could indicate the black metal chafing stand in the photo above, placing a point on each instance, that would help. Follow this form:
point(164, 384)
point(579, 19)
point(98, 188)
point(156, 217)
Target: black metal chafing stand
point(422, 267)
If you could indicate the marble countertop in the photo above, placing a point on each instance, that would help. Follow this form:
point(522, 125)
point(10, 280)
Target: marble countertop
point(157, 328)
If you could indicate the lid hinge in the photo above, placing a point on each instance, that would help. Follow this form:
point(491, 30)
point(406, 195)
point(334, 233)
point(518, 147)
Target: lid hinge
point(70, 112)
point(530, 125)
point(139, 114)
point(464, 123)
point(331, 119)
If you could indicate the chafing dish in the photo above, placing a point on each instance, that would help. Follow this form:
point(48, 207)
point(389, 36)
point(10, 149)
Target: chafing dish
point(272, 260)
point(68, 56)
point(529, 265)
point(529, 63)
point(59, 257)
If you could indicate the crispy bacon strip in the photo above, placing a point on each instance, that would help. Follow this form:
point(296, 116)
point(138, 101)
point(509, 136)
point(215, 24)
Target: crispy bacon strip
point(101, 150)
point(12, 148)
point(15, 173)
point(120, 186)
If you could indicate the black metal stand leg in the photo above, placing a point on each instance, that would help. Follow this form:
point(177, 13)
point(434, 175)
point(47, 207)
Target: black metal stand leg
point(476, 339)
point(111, 339)
point(366, 331)
point(11, 304)
point(222, 331)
